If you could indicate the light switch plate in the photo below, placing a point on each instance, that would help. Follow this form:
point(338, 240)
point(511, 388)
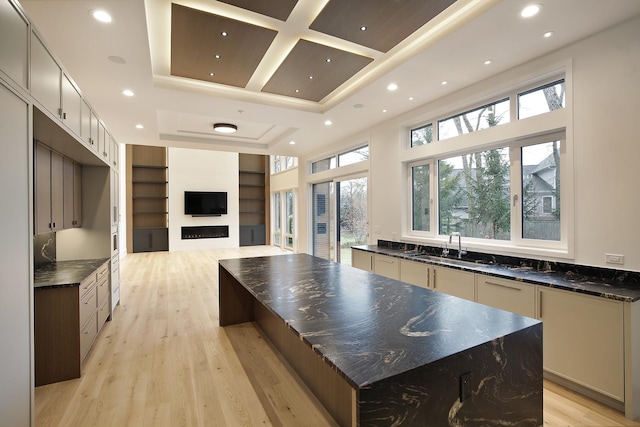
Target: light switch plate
point(614, 259)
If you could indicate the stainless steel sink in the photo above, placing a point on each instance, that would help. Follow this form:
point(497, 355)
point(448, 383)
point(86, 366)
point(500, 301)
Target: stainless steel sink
point(454, 261)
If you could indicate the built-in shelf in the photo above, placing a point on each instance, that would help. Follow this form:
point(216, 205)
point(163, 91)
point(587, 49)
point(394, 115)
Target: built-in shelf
point(253, 179)
point(149, 166)
point(150, 213)
point(149, 182)
point(149, 197)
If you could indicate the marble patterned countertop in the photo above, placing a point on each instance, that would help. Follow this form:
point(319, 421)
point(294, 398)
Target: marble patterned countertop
point(368, 327)
point(605, 283)
point(64, 273)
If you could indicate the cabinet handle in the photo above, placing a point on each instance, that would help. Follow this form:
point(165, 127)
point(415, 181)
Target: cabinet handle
point(502, 285)
point(428, 278)
point(539, 305)
point(64, 116)
point(434, 278)
point(387, 261)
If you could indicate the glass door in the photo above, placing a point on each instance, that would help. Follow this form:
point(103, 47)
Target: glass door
point(339, 218)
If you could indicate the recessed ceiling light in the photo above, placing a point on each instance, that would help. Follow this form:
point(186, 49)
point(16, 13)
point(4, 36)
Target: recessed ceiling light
point(531, 10)
point(225, 127)
point(117, 59)
point(547, 34)
point(411, 98)
point(444, 82)
point(328, 59)
point(328, 122)
point(392, 87)
point(487, 62)
point(363, 28)
point(292, 143)
point(224, 34)
point(139, 126)
point(217, 56)
point(101, 15)
point(310, 77)
point(211, 74)
point(128, 92)
point(384, 110)
point(297, 91)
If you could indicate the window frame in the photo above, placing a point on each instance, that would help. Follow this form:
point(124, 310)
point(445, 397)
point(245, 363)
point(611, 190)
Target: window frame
point(545, 127)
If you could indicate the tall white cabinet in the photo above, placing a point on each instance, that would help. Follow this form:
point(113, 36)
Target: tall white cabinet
point(15, 262)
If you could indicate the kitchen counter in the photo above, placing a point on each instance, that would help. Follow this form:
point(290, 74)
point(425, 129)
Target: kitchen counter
point(613, 284)
point(65, 273)
point(400, 348)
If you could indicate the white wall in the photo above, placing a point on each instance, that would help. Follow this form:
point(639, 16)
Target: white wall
point(202, 170)
point(605, 70)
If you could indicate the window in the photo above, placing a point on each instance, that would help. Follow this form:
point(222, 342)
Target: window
point(282, 163)
point(541, 99)
point(290, 226)
point(421, 197)
point(540, 189)
point(474, 195)
point(484, 117)
point(277, 220)
point(343, 159)
point(284, 226)
point(422, 135)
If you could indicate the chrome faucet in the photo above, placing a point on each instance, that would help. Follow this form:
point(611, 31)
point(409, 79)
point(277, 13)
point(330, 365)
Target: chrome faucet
point(460, 251)
point(445, 249)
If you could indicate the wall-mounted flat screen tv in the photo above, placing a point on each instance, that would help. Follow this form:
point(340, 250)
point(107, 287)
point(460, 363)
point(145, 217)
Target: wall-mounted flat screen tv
point(205, 203)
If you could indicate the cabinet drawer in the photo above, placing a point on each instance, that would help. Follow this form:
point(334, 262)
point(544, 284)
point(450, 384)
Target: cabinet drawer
point(87, 284)
point(387, 266)
point(103, 270)
point(414, 272)
point(88, 305)
point(461, 284)
point(88, 335)
point(103, 313)
point(103, 291)
point(507, 295)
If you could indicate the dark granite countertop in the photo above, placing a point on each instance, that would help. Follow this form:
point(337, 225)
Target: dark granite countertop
point(65, 273)
point(605, 283)
point(366, 326)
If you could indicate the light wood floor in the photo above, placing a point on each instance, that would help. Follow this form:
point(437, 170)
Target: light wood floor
point(164, 361)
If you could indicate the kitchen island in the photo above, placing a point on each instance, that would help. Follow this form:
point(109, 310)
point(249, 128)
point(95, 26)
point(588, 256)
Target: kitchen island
point(376, 351)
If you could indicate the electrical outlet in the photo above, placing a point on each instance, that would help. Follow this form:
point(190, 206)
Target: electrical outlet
point(465, 386)
point(614, 259)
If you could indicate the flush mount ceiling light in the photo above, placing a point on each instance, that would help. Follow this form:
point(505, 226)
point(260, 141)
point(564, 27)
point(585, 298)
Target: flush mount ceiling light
point(225, 127)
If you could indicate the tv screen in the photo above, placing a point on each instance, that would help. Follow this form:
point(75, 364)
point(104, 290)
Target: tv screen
point(205, 203)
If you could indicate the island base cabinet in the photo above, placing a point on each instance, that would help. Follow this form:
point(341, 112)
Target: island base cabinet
point(362, 260)
point(584, 340)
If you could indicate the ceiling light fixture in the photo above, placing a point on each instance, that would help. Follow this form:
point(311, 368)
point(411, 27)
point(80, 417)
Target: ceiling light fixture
point(531, 10)
point(139, 126)
point(392, 87)
point(211, 74)
point(363, 28)
point(128, 92)
point(225, 127)
point(224, 34)
point(292, 143)
point(444, 82)
point(411, 98)
point(101, 16)
point(547, 34)
point(328, 59)
point(328, 123)
point(487, 62)
point(217, 56)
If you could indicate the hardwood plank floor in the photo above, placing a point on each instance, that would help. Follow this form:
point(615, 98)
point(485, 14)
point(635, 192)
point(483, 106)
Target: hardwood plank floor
point(164, 361)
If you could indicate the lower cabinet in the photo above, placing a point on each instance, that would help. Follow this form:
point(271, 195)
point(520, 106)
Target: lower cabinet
point(415, 273)
point(67, 320)
point(458, 283)
point(386, 266)
point(583, 339)
point(252, 235)
point(509, 295)
point(150, 239)
point(362, 260)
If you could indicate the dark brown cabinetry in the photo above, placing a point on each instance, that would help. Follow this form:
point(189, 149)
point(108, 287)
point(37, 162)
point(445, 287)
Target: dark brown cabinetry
point(72, 207)
point(48, 190)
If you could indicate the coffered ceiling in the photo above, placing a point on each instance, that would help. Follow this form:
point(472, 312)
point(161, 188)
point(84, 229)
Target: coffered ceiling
point(270, 74)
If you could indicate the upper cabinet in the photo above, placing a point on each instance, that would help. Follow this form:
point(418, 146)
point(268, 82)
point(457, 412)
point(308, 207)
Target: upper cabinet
point(14, 42)
point(71, 105)
point(48, 190)
point(45, 77)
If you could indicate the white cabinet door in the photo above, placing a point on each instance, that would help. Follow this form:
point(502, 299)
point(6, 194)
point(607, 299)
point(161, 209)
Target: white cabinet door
point(583, 339)
point(362, 260)
point(71, 105)
point(454, 282)
point(414, 272)
point(45, 77)
point(16, 380)
point(510, 295)
point(387, 266)
point(14, 43)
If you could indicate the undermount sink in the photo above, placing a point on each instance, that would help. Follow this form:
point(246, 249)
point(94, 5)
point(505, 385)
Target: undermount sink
point(455, 261)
